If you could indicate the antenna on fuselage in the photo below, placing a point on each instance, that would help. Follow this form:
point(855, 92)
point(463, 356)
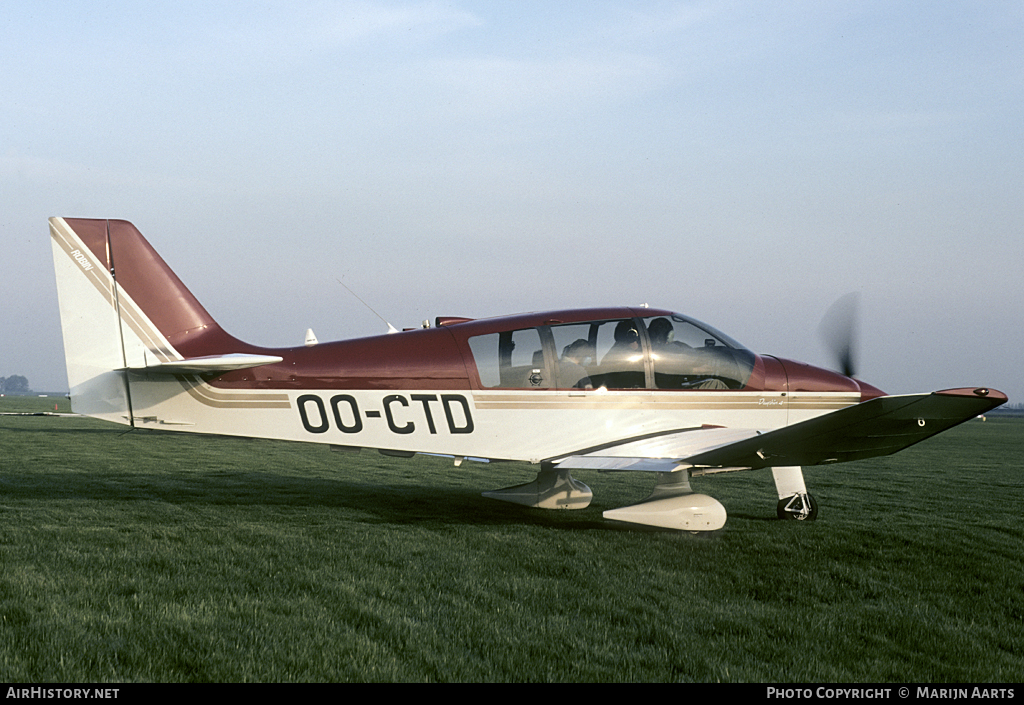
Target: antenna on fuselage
point(391, 328)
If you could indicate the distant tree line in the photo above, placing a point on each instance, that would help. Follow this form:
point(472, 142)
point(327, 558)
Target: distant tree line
point(1009, 410)
point(15, 384)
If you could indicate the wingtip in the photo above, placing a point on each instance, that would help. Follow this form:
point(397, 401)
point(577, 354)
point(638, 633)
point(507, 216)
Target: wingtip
point(993, 395)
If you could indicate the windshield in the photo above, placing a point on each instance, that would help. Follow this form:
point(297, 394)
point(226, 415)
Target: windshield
point(686, 354)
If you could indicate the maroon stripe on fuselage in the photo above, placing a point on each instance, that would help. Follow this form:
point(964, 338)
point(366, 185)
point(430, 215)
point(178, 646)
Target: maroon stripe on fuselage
point(420, 359)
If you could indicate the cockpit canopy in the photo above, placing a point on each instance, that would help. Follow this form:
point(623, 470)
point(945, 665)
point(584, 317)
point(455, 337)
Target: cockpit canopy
point(667, 351)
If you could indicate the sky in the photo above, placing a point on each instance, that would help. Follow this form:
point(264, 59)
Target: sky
point(744, 163)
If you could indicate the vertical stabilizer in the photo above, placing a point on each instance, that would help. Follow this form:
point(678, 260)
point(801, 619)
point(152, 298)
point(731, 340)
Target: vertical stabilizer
point(140, 349)
point(93, 347)
point(121, 309)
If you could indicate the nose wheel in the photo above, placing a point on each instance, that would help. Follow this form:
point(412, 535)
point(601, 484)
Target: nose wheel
point(798, 507)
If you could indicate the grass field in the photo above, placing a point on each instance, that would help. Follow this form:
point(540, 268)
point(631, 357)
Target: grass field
point(160, 557)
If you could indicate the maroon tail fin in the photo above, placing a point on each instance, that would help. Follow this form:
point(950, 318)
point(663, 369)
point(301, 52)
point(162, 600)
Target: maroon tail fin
point(156, 290)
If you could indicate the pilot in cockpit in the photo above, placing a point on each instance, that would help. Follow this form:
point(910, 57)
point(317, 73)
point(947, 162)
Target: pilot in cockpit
point(678, 365)
point(662, 333)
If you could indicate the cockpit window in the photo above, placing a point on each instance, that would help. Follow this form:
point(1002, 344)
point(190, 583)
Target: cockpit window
point(659, 352)
point(688, 355)
point(511, 359)
point(621, 354)
point(576, 355)
point(609, 353)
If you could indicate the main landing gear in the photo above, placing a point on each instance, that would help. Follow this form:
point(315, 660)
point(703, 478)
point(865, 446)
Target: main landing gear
point(554, 488)
point(795, 503)
point(672, 504)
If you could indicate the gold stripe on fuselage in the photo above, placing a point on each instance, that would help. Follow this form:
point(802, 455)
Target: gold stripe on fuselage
point(668, 400)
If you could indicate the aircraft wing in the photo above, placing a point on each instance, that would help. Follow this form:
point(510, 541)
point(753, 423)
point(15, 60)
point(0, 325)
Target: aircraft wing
point(877, 427)
point(661, 452)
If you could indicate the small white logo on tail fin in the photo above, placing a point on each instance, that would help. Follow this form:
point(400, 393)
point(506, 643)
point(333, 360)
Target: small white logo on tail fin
point(81, 259)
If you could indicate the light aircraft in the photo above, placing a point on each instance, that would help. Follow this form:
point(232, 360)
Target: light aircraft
point(613, 389)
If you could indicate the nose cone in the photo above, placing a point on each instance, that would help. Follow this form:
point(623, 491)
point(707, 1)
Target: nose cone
point(801, 377)
point(869, 391)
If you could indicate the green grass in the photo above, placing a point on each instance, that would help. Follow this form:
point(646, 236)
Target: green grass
point(170, 557)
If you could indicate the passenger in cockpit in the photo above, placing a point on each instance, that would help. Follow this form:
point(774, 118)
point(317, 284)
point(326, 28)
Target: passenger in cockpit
point(571, 372)
point(627, 343)
point(623, 365)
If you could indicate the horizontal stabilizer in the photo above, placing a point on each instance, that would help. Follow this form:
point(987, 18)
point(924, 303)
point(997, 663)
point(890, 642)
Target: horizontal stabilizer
point(208, 363)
